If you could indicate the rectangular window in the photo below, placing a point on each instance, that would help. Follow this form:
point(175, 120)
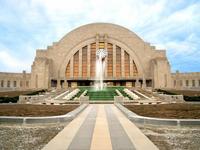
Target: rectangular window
point(20, 83)
point(2, 82)
point(193, 83)
point(174, 83)
point(199, 82)
point(15, 84)
point(8, 83)
point(187, 83)
point(27, 84)
point(181, 83)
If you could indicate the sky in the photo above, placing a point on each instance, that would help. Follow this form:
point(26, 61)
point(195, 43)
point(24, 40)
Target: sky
point(27, 25)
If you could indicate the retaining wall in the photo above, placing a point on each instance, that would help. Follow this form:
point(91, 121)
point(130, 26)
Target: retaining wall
point(157, 121)
point(51, 119)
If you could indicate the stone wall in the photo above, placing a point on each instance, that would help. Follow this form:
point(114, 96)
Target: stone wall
point(186, 81)
point(49, 66)
point(14, 81)
point(63, 51)
point(41, 72)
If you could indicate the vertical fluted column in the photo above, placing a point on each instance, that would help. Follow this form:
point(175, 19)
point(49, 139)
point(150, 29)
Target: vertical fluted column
point(65, 84)
point(88, 60)
point(137, 83)
point(106, 60)
point(97, 42)
point(72, 67)
point(80, 63)
point(122, 63)
point(114, 61)
point(143, 83)
point(58, 84)
point(97, 48)
point(131, 67)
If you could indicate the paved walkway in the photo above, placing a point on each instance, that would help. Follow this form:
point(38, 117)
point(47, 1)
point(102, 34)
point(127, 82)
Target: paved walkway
point(100, 127)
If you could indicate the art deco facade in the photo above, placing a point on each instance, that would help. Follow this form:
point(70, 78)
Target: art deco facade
point(72, 61)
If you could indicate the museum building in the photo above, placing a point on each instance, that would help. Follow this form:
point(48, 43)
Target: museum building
point(71, 62)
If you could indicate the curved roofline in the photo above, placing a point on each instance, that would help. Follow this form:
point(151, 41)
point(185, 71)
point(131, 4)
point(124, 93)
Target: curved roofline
point(101, 23)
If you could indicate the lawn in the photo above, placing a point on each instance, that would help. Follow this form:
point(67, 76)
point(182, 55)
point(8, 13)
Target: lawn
point(105, 94)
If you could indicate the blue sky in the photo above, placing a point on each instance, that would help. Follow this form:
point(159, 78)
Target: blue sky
point(27, 25)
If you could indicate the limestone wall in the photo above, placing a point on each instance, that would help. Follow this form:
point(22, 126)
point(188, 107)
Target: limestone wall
point(61, 52)
point(14, 81)
point(41, 72)
point(161, 73)
point(184, 81)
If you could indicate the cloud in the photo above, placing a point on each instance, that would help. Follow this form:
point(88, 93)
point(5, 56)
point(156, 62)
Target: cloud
point(31, 24)
point(10, 63)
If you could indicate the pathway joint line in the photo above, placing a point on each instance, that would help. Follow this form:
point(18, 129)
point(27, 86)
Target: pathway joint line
point(82, 139)
point(119, 138)
point(63, 139)
point(101, 135)
point(139, 140)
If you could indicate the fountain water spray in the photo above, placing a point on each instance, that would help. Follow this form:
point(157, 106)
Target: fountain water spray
point(100, 68)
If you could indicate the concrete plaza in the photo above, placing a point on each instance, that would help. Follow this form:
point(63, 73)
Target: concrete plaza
point(100, 127)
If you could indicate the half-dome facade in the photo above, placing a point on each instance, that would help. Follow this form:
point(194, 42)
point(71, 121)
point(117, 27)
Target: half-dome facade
point(130, 61)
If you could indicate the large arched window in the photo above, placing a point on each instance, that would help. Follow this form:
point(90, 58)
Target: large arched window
point(119, 63)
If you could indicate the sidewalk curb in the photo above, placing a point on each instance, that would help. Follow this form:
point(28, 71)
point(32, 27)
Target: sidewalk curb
point(156, 121)
point(50, 119)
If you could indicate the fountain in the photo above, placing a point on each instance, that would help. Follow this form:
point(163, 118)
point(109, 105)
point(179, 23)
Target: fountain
point(100, 68)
